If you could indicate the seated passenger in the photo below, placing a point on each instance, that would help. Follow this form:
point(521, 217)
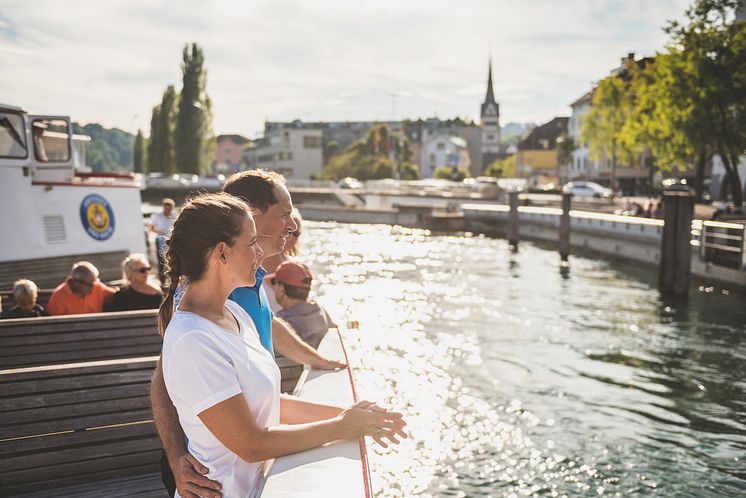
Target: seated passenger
point(291, 284)
point(25, 293)
point(80, 293)
point(138, 294)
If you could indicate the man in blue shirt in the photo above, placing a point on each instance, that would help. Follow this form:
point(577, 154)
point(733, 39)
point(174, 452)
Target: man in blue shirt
point(271, 207)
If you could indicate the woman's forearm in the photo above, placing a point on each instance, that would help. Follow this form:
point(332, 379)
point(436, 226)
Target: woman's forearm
point(296, 411)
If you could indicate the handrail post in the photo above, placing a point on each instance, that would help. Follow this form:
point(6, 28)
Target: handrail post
point(743, 248)
point(676, 249)
point(703, 243)
point(512, 234)
point(564, 226)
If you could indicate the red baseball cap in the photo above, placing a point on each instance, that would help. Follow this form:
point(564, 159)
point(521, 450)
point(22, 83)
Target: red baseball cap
point(292, 273)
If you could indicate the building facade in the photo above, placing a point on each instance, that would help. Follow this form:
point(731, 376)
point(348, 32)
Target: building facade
point(443, 150)
point(229, 153)
point(293, 152)
point(536, 157)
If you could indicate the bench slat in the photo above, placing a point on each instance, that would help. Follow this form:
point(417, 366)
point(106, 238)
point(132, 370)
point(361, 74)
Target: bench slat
point(143, 486)
point(10, 449)
point(78, 423)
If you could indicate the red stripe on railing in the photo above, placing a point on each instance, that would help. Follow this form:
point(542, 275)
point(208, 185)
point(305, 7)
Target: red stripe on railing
point(363, 447)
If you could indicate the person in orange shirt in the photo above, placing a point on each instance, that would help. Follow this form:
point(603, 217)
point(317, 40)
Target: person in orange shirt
point(80, 293)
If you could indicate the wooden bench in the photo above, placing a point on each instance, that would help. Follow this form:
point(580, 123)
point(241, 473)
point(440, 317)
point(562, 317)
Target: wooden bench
point(75, 414)
point(55, 340)
point(79, 430)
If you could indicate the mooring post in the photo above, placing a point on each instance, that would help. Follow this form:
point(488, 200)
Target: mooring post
point(564, 226)
point(676, 248)
point(512, 234)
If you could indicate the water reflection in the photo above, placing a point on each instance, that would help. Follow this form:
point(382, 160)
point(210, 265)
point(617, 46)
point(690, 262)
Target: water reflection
point(520, 380)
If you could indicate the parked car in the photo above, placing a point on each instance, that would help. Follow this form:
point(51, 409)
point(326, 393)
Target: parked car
point(165, 181)
point(211, 182)
point(350, 182)
point(588, 189)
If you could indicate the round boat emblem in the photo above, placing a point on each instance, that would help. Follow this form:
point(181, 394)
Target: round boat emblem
point(97, 217)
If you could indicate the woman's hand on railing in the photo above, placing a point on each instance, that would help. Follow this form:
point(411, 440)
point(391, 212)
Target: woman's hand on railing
point(366, 418)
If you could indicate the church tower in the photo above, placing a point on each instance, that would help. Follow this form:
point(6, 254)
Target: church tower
point(490, 118)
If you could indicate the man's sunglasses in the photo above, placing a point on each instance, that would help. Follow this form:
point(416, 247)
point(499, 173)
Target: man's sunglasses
point(144, 269)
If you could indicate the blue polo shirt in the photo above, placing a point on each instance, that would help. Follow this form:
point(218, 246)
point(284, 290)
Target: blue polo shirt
point(254, 301)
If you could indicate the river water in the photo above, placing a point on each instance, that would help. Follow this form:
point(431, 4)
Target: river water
point(520, 379)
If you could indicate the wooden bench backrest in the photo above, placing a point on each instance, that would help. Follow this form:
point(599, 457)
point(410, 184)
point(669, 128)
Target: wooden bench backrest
point(57, 340)
point(77, 424)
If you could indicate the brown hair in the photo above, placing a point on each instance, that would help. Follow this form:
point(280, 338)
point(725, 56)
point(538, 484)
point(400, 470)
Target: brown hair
point(204, 221)
point(257, 187)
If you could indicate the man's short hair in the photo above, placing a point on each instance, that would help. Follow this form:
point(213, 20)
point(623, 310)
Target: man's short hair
point(24, 291)
point(256, 187)
point(169, 201)
point(84, 269)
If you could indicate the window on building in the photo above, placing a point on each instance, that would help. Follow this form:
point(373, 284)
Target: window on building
point(490, 137)
point(311, 142)
point(441, 145)
point(432, 160)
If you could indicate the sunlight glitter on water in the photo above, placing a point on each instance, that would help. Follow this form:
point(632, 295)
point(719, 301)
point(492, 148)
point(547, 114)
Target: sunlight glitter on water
point(517, 379)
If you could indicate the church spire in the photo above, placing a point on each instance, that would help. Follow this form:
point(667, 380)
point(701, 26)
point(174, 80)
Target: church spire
point(490, 98)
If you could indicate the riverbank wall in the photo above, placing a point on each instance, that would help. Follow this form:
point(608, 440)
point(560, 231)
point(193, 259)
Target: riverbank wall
point(628, 238)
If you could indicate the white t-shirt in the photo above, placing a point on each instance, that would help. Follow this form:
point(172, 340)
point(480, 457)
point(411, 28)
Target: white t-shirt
point(204, 365)
point(163, 223)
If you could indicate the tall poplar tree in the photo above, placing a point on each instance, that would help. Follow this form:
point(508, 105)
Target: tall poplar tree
point(193, 115)
point(161, 155)
point(139, 153)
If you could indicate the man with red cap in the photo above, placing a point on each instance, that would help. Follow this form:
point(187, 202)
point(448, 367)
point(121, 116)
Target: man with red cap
point(291, 283)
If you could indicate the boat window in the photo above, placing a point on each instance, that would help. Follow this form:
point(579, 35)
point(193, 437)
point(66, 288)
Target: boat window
point(12, 136)
point(51, 140)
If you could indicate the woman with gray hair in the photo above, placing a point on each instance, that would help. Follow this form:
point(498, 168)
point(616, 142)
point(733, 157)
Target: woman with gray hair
point(25, 293)
point(138, 294)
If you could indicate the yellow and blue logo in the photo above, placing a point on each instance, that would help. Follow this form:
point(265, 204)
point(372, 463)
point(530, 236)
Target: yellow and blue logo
point(97, 217)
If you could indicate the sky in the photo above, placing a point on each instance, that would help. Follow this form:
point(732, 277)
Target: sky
point(110, 61)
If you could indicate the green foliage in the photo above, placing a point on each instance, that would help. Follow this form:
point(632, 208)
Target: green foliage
point(194, 117)
point(603, 127)
point(161, 145)
point(139, 153)
point(686, 106)
point(109, 149)
point(409, 171)
point(502, 168)
point(372, 158)
point(565, 147)
point(450, 173)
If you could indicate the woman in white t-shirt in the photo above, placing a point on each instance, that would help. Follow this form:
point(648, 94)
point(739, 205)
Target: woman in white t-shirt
point(223, 383)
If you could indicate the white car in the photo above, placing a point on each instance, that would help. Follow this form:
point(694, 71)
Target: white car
point(587, 189)
point(165, 181)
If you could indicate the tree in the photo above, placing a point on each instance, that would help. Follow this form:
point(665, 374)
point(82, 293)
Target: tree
point(450, 173)
point(502, 168)
point(602, 129)
point(371, 158)
point(710, 54)
point(161, 146)
point(138, 153)
point(409, 171)
point(193, 118)
point(691, 103)
point(565, 147)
